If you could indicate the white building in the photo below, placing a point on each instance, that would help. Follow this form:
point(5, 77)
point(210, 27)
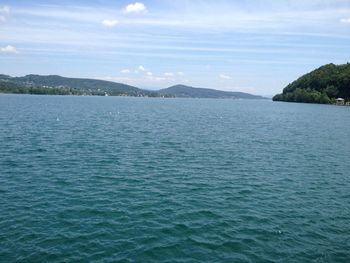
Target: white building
point(339, 101)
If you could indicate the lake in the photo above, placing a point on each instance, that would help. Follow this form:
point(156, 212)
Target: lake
point(117, 179)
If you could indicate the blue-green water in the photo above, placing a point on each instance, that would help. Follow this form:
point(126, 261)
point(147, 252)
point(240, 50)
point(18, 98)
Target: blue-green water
point(107, 179)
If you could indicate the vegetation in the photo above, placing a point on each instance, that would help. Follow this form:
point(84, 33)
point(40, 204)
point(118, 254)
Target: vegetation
point(57, 85)
point(8, 87)
point(322, 85)
point(183, 91)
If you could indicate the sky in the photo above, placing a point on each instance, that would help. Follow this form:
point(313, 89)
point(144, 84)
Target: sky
point(255, 46)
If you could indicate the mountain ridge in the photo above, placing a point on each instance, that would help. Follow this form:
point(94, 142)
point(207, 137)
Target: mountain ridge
point(184, 91)
point(58, 85)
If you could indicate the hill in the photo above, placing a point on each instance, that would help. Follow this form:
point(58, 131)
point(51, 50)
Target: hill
point(57, 85)
point(53, 84)
point(322, 85)
point(183, 91)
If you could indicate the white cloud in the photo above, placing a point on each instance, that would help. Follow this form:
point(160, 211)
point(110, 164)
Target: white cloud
point(156, 79)
point(223, 76)
point(140, 81)
point(168, 74)
point(5, 9)
point(345, 20)
point(135, 8)
point(180, 73)
point(110, 23)
point(149, 73)
point(8, 50)
point(125, 71)
point(141, 68)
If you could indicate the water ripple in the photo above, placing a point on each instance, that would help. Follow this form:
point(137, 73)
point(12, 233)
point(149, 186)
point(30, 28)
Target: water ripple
point(153, 180)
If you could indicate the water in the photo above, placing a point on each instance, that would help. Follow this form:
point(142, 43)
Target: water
point(107, 179)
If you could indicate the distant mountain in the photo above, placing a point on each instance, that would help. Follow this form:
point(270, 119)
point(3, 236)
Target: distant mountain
point(322, 85)
point(57, 85)
point(183, 91)
point(77, 85)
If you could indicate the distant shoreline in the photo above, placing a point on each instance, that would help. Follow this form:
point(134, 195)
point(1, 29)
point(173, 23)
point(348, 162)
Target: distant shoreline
point(58, 85)
point(128, 96)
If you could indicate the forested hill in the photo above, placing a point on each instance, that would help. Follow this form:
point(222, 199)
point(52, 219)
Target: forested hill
point(57, 85)
point(183, 91)
point(53, 84)
point(322, 85)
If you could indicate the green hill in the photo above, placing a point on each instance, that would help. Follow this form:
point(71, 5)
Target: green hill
point(183, 91)
point(14, 88)
point(322, 85)
point(52, 84)
point(57, 85)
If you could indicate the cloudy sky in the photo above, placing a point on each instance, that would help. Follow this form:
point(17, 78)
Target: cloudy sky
point(256, 46)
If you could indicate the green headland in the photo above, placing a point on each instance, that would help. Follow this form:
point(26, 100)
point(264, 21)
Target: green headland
point(323, 85)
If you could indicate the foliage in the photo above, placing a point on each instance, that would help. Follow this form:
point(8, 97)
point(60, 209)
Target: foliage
point(8, 87)
point(57, 85)
point(183, 91)
point(319, 86)
point(52, 84)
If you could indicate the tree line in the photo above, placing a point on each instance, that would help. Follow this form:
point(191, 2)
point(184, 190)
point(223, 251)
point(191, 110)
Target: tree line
point(322, 85)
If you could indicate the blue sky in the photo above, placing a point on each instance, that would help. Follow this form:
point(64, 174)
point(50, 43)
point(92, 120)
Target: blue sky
point(256, 46)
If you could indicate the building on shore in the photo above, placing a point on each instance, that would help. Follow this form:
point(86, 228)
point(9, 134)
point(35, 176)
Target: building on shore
point(340, 101)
